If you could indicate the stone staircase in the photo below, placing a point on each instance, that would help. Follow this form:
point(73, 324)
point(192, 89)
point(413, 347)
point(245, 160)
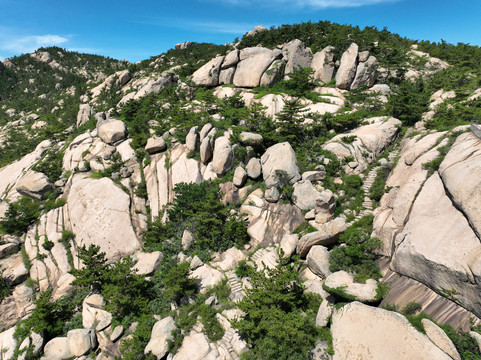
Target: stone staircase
point(237, 293)
point(226, 343)
point(366, 186)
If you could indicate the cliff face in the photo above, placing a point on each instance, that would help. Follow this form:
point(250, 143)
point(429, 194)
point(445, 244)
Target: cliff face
point(170, 205)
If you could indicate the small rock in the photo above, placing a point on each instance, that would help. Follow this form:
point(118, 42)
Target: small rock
point(117, 333)
point(272, 195)
point(240, 176)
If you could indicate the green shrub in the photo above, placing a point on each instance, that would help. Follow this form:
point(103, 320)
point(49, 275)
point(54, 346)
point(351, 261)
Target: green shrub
point(358, 255)
point(20, 215)
point(377, 188)
point(242, 269)
point(279, 320)
point(177, 283)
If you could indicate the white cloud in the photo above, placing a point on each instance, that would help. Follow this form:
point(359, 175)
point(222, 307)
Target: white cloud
point(18, 44)
point(320, 4)
point(209, 27)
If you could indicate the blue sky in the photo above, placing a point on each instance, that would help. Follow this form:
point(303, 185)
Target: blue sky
point(137, 29)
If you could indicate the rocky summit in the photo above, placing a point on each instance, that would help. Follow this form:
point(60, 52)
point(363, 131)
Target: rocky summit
point(310, 192)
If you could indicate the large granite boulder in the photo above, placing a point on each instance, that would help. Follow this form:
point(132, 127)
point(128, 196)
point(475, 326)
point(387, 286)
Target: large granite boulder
point(323, 64)
point(328, 234)
point(223, 158)
point(363, 332)
point(208, 75)
point(297, 56)
point(365, 74)
point(280, 161)
point(161, 334)
point(253, 63)
point(347, 70)
point(84, 113)
point(99, 214)
point(112, 131)
point(34, 184)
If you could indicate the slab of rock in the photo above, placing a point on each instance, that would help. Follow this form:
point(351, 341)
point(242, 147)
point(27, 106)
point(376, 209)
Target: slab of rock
point(323, 64)
point(318, 261)
point(315, 175)
point(34, 184)
point(117, 333)
point(208, 75)
point(347, 70)
point(342, 280)
point(253, 63)
point(240, 176)
point(112, 131)
point(362, 332)
point(254, 168)
point(305, 195)
point(324, 314)
point(8, 343)
point(81, 341)
point(223, 158)
point(366, 74)
point(208, 276)
point(327, 235)
point(17, 305)
point(147, 263)
point(288, 244)
point(192, 138)
point(196, 347)
point(231, 59)
point(461, 175)
point(161, 334)
point(440, 339)
point(99, 213)
point(248, 138)
point(297, 55)
point(445, 258)
point(155, 145)
point(274, 73)
point(13, 269)
point(58, 349)
point(84, 113)
point(279, 158)
point(93, 312)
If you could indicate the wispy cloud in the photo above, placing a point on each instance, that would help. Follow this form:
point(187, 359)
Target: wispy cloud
point(319, 4)
point(86, 50)
point(18, 44)
point(208, 27)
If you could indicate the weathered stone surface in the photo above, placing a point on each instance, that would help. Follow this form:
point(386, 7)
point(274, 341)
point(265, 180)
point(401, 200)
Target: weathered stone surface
point(161, 334)
point(440, 339)
point(84, 113)
point(279, 158)
point(99, 213)
point(253, 63)
point(362, 332)
point(231, 59)
point(323, 64)
point(342, 280)
point(112, 131)
point(268, 222)
point(370, 140)
point(223, 158)
point(147, 263)
point(297, 55)
point(196, 347)
point(327, 235)
point(461, 175)
point(13, 269)
point(347, 70)
point(240, 176)
point(325, 206)
point(34, 184)
point(273, 74)
point(208, 276)
point(205, 150)
point(57, 349)
point(315, 175)
point(117, 333)
point(248, 138)
point(366, 74)
point(81, 341)
point(7, 343)
point(93, 312)
point(226, 76)
point(17, 305)
point(192, 139)
point(324, 314)
point(305, 195)
point(318, 261)
point(208, 75)
point(445, 258)
point(254, 168)
point(155, 144)
point(288, 244)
